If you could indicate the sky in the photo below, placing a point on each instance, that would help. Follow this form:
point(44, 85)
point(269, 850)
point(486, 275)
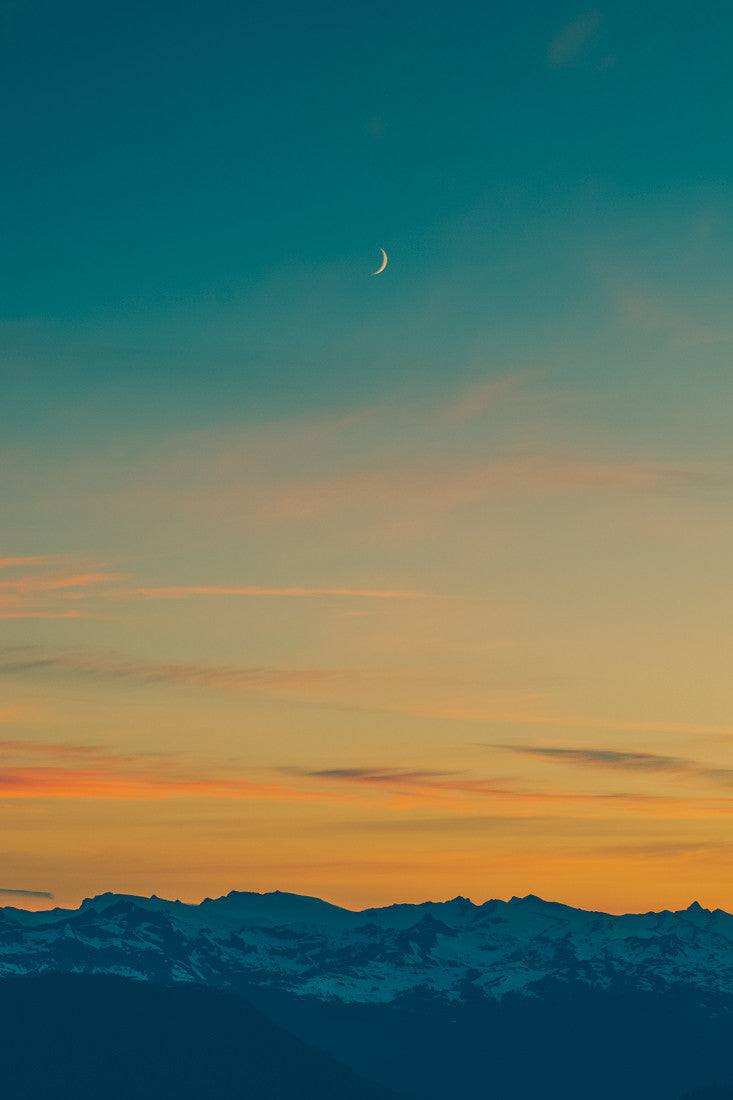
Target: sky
point(372, 587)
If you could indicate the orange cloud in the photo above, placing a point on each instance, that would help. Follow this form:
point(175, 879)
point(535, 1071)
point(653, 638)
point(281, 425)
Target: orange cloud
point(60, 782)
point(33, 595)
point(461, 794)
point(12, 563)
point(182, 592)
point(39, 614)
point(87, 772)
point(34, 584)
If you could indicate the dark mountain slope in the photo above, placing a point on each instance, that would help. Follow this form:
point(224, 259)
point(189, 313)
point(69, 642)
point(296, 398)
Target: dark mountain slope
point(111, 1038)
point(568, 1042)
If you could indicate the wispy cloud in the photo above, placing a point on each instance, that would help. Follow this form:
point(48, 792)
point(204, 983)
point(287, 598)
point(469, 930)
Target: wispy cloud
point(90, 772)
point(391, 688)
point(489, 394)
point(43, 581)
point(373, 775)
point(387, 471)
point(573, 40)
point(182, 592)
point(392, 692)
point(428, 491)
point(20, 595)
point(135, 784)
point(28, 561)
point(606, 758)
point(458, 792)
point(40, 614)
point(35, 660)
point(25, 893)
point(484, 800)
point(627, 761)
point(34, 584)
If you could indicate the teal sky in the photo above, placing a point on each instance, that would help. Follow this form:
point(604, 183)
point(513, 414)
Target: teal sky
point(193, 195)
point(276, 524)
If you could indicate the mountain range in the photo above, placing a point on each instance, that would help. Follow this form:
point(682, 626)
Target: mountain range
point(506, 999)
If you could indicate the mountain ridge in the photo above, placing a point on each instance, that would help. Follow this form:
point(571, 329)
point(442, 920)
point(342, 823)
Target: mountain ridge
point(310, 947)
point(506, 999)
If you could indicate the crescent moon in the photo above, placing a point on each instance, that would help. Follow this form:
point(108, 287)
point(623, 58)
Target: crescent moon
point(382, 266)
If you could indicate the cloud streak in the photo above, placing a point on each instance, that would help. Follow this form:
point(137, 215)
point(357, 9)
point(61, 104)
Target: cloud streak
point(458, 792)
point(384, 775)
point(35, 584)
point(36, 661)
point(88, 772)
point(452, 790)
point(36, 595)
point(407, 467)
point(183, 592)
point(27, 561)
point(133, 785)
point(607, 758)
point(626, 761)
point(427, 489)
point(79, 772)
point(40, 614)
point(25, 893)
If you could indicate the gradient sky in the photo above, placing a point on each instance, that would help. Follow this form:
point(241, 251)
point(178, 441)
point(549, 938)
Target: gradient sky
point(374, 588)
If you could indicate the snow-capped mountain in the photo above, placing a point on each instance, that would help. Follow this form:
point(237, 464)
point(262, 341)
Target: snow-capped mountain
point(450, 950)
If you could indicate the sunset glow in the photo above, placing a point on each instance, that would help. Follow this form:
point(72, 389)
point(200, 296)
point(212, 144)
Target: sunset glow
point(371, 589)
